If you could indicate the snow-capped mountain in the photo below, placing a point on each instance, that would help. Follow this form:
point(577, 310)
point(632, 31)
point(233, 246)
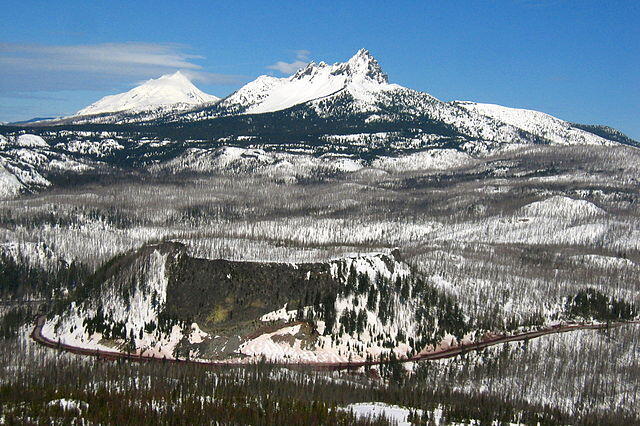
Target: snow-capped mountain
point(358, 92)
point(361, 80)
point(174, 90)
point(358, 76)
point(338, 118)
point(330, 102)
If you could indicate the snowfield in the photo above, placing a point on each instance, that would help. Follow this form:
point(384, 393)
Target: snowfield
point(551, 128)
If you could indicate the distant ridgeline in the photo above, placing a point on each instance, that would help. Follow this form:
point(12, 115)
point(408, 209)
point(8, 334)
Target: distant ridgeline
point(347, 109)
point(161, 302)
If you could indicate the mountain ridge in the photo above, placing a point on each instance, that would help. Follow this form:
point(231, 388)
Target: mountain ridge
point(356, 91)
point(336, 118)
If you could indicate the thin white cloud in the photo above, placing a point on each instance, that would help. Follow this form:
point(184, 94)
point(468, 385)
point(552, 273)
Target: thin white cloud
point(32, 67)
point(211, 78)
point(302, 59)
point(113, 56)
point(287, 68)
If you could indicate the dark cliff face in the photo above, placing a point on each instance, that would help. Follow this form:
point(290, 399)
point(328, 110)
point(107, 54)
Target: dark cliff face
point(219, 292)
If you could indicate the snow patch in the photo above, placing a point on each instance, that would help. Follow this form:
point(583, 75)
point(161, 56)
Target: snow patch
point(603, 261)
point(394, 413)
point(10, 186)
point(279, 315)
point(31, 141)
point(437, 159)
point(69, 405)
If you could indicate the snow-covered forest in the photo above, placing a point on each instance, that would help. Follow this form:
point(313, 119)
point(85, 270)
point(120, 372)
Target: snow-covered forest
point(511, 241)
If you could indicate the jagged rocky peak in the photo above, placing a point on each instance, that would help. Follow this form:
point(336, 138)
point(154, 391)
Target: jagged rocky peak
point(361, 75)
point(363, 64)
point(310, 70)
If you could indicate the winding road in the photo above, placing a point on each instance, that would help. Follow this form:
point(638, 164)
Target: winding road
point(450, 352)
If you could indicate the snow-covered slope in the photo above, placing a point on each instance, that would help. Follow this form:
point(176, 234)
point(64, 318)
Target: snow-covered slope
point(9, 185)
point(359, 75)
point(358, 91)
point(543, 125)
point(171, 89)
point(27, 160)
point(563, 207)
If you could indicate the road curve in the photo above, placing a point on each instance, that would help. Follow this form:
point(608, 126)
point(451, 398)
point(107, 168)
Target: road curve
point(36, 335)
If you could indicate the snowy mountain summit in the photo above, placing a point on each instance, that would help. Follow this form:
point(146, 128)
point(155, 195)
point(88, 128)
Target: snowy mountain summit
point(362, 66)
point(359, 75)
point(174, 90)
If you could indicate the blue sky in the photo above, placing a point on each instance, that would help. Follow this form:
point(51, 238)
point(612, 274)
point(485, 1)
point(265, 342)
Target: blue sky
point(575, 59)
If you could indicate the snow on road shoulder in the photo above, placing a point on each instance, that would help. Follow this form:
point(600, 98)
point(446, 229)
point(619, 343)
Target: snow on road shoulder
point(265, 344)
